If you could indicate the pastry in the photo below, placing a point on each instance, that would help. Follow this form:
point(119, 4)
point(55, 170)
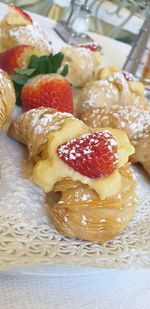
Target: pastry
point(118, 101)
point(89, 168)
point(146, 71)
point(7, 97)
point(83, 64)
point(17, 28)
point(112, 88)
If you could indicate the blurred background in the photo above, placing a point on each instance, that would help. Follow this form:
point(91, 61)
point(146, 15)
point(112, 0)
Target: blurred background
point(118, 19)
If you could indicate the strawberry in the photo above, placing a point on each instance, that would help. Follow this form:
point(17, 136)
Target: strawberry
point(93, 46)
point(42, 83)
point(51, 90)
point(93, 155)
point(17, 57)
point(17, 16)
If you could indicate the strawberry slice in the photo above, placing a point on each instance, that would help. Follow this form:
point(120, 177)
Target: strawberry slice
point(93, 155)
point(91, 46)
point(17, 57)
point(48, 90)
point(17, 16)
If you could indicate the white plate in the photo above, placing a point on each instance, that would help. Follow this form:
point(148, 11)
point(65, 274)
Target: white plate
point(27, 238)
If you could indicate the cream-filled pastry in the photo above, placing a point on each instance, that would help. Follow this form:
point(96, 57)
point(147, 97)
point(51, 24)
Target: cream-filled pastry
point(83, 64)
point(89, 167)
point(7, 97)
point(118, 101)
point(17, 28)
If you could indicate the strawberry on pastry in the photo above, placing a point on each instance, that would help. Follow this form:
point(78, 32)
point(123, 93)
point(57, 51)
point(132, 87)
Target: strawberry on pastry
point(17, 57)
point(93, 46)
point(17, 16)
point(49, 90)
point(18, 28)
point(93, 155)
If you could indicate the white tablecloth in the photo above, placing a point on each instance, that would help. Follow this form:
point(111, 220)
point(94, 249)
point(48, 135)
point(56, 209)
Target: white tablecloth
point(108, 289)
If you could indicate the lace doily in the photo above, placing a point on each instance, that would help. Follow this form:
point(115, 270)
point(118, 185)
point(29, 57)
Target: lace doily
point(27, 236)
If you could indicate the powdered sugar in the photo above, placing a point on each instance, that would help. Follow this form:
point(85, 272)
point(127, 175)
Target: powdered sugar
point(134, 121)
point(118, 77)
point(47, 120)
point(99, 92)
point(93, 154)
point(82, 65)
point(40, 123)
point(30, 34)
point(113, 91)
point(7, 97)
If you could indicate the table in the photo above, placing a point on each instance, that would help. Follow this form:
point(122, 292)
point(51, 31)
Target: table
point(104, 289)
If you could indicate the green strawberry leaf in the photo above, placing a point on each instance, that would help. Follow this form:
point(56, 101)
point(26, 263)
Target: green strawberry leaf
point(27, 72)
point(44, 66)
point(56, 61)
point(19, 80)
point(33, 64)
point(18, 89)
point(65, 70)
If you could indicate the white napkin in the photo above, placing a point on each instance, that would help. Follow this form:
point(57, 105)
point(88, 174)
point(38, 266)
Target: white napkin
point(107, 289)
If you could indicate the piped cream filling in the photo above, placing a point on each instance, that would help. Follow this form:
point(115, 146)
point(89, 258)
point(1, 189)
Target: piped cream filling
point(51, 170)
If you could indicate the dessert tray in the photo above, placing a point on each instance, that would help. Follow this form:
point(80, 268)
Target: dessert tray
point(27, 236)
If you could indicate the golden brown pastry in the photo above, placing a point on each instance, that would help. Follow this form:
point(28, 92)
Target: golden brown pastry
point(83, 64)
point(119, 102)
point(7, 97)
point(17, 28)
point(94, 208)
point(146, 71)
point(82, 214)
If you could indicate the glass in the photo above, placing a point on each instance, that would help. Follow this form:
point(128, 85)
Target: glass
point(73, 29)
point(81, 22)
point(74, 12)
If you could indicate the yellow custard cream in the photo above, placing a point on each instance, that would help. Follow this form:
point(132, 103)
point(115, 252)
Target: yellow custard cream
point(52, 169)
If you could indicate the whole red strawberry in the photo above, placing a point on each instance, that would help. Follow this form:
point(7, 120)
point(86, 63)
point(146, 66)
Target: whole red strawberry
point(42, 83)
point(48, 90)
point(93, 155)
point(17, 57)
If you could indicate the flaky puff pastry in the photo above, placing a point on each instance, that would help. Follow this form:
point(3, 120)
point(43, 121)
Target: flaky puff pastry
point(83, 64)
point(18, 31)
point(119, 103)
point(7, 97)
point(80, 212)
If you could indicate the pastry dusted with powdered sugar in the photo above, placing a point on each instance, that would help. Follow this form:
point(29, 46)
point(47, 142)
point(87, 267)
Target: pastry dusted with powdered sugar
point(17, 28)
point(7, 97)
point(89, 168)
point(118, 101)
